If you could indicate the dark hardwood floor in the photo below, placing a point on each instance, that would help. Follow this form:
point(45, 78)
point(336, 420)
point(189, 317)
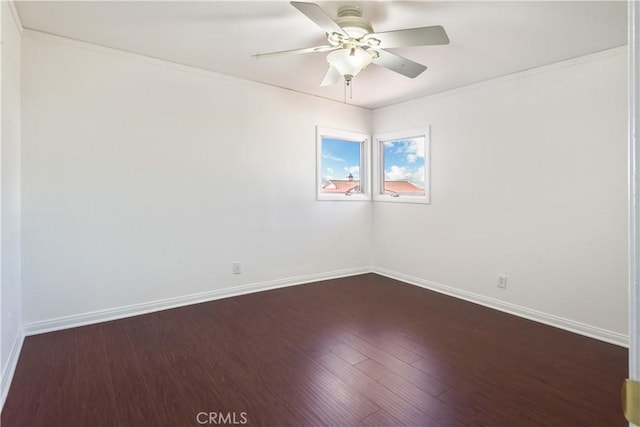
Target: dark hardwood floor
point(364, 350)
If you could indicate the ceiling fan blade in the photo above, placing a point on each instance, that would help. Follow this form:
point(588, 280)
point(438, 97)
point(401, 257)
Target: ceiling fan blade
point(399, 64)
point(332, 76)
point(319, 16)
point(423, 36)
point(297, 51)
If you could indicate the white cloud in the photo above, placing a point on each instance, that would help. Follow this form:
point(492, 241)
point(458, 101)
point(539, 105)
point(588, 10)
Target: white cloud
point(401, 173)
point(397, 173)
point(415, 149)
point(418, 176)
point(354, 170)
point(329, 156)
point(410, 149)
point(329, 170)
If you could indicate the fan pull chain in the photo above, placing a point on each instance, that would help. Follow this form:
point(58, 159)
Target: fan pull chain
point(348, 79)
point(344, 95)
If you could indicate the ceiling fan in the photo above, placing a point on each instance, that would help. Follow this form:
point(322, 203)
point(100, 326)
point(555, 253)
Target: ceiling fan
point(353, 45)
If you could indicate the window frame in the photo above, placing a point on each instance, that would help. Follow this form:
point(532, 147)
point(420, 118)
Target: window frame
point(378, 165)
point(365, 148)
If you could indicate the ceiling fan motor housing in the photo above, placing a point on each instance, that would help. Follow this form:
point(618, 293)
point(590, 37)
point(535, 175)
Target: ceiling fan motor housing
point(351, 20)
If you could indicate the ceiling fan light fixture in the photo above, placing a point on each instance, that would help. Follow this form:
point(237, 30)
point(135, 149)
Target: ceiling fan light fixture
point(349, 62)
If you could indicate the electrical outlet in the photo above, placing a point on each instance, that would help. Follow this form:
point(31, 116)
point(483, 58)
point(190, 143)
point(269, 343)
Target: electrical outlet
point(236, 268)
point(502, 282)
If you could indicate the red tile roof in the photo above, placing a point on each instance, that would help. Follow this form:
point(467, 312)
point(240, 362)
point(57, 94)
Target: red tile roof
point(402, 187)
point(344, 185)
point(340, 185)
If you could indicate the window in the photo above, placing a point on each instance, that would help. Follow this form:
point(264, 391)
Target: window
point(401, 169)
point(342, 165)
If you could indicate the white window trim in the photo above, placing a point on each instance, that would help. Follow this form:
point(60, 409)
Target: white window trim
point(378, 172)
point(365, 166)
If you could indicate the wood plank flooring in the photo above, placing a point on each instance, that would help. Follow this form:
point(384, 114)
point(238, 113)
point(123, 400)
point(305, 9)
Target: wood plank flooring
point(361, 351)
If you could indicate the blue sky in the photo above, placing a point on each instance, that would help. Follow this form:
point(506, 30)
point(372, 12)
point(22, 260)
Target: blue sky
point(404, 160)
point(339, 158)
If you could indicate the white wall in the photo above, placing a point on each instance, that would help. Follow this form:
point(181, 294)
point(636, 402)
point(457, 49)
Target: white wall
point(144, 180)
point(10, 296)
point(529, 181)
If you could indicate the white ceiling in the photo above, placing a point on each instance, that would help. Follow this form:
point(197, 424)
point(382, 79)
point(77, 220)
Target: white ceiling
point(488, 39)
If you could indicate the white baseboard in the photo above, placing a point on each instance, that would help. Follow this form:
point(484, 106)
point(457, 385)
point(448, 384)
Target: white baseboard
point(66, 322)
point(517, 310)
point(10, 368)
point(83, 319)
